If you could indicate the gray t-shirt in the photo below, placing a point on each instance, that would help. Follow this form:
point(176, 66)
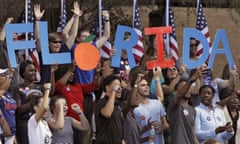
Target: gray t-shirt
point(182, 123)
point(64, 135)
point(131, 130)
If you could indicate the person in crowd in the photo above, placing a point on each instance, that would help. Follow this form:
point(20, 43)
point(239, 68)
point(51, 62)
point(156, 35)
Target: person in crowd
point(151, 109)
point(56, 44)
point(24, 110)
point(181, 114)
point(61, 125)
point(108, 114)
point(3, 53)
point(132, 129)
point(217, 83)
point(7, 107)
point(38, 130)
point(193, 56)
point(230, 104)
point(210, 120)
point(74, 93)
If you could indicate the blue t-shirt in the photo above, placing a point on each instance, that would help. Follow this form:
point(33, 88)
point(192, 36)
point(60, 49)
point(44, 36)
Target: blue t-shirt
point(83, 77)
point(8, 106)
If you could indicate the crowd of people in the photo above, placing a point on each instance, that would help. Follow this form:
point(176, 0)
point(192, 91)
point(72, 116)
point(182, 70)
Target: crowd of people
point(110, 105)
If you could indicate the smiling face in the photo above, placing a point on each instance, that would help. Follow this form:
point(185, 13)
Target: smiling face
point(55, 45)
point(30, 73)
point(206, 95)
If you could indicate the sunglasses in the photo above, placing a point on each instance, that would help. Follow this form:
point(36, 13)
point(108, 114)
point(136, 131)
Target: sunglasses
point(56, 42)
point(172, 69)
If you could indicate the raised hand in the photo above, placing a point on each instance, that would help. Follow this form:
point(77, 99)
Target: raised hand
point(9, 20)
point(76, 9)
point(105, 14)
point(37, 11)
point(157, 72)
point(76, 108)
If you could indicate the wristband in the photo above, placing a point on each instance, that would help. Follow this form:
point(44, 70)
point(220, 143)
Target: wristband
point(106, 20)
point(47, 89)
point(157, 81)
point(9, 76)
point(80, 113)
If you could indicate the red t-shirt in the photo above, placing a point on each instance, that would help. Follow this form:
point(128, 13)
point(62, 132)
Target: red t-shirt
point(74, 94)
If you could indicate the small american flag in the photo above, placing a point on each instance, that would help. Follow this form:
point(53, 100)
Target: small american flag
point(106, 48)
point(138, 49)
point(63, 17)
point(32, 53)
point(202, 26)
point(172, 37)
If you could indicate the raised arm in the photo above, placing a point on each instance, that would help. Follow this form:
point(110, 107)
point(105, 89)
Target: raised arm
point(157, 74)
point(44, 107)
point(38, 15)
point(70, 30)
point(2, 32)
point(58, 122)
point(106, 34)
point(83, 123)
point(64, 79)
point(107, 110)
point(182, 91)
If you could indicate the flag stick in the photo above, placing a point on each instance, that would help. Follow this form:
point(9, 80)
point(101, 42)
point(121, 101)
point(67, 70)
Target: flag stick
point(100, 17)
point(167, 24)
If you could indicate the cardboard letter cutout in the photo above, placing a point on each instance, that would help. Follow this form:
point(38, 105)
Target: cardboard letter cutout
point(47, 57)
point(194, 33)
point(159, 31)
point(17, 45)
point(221, 35)
point(120, 44)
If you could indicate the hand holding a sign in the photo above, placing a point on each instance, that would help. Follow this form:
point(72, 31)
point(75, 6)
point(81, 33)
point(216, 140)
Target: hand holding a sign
point(157, 73)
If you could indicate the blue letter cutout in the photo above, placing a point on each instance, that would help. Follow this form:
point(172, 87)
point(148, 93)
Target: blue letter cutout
point(221, 35)
point(194, 33)
point(17, 45)
point(120, 44)
point(51, 58)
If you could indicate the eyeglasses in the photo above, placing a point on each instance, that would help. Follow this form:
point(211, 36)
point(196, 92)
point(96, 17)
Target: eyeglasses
point(56, 42)
point(172, 69)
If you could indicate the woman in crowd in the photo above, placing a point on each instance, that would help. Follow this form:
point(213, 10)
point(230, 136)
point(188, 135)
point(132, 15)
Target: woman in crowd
point(61, 125)
point(24, 109)
point(210, 120)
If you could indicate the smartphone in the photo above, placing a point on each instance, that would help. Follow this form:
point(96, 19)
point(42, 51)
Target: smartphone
point(208, 76)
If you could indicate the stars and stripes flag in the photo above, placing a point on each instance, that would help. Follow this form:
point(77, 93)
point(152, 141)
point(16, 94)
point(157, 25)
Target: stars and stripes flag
point(172, 41)
point(98, 29)
point(63, 17)
point(138, 50)
point(203, 27)
point(31, 54)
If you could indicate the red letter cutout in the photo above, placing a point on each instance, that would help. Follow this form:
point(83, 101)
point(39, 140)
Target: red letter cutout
point(159, 31)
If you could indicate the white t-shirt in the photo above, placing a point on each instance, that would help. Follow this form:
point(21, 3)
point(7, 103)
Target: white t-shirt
point(38, 132)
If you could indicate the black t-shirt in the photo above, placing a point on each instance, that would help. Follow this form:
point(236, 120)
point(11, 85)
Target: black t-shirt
point(109, 130)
